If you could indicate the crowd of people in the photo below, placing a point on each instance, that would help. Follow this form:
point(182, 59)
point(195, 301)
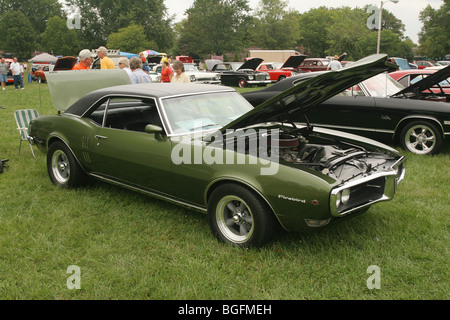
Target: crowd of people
point(136, 67)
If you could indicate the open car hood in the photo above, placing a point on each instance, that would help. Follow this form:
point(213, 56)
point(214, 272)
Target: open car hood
point(65, 63)
point(67, 87)
point(251, 64)
point(154, 59)
point(293, 61)
point(292, 104)
point(426, 83)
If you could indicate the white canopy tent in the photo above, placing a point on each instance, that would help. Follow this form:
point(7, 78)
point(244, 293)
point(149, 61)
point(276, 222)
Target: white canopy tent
point(44, 58)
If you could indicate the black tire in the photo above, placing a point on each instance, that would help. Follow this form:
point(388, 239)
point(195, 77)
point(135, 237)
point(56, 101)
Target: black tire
point(242, 83)
point(421, 137)
point(239, 217)
point(63, 169)
point(281, 78)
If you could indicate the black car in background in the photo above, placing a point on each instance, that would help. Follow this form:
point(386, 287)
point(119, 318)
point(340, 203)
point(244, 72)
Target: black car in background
point(239, 76)
point(377, 108)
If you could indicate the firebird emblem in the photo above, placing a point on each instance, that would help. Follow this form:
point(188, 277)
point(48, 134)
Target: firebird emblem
point(315, 202)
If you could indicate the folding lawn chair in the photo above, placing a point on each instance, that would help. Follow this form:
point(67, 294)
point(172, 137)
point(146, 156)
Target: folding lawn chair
point(23, 118)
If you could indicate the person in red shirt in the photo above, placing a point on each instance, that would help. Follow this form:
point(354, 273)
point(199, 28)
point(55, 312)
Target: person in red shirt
point(85, 60)
point(166, 72)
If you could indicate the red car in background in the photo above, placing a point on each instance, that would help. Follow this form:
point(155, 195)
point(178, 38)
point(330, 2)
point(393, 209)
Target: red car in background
point(64, 63)
point(185, 59)
point(423, 64)
point(314, 64)
point(10, 78)
point(424, 83)
point(279, 71)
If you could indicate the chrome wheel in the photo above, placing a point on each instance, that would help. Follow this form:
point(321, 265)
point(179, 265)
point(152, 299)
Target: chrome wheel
point(240, 217)
point(63, 168)
point(60, 167)
point(420, 139)
point(234, 219)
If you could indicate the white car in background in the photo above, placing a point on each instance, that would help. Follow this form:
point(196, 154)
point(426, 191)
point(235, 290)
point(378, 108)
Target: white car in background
point(197, 76)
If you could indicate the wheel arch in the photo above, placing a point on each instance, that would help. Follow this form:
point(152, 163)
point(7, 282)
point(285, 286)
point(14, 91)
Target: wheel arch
point(55, 138)
point(216, 183)
point(406, 120)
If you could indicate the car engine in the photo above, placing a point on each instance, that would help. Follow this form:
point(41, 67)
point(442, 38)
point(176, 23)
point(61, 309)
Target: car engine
point(340, 161)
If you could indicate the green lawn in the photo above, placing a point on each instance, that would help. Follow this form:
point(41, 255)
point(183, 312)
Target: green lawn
point(130, 246)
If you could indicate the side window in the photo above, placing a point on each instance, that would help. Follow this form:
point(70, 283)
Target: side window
point(97, 113)
point(121, 113)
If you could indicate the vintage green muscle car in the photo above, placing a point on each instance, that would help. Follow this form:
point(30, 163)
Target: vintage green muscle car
point(204, 146)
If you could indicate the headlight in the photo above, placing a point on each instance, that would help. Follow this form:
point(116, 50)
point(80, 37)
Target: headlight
point(192, 77)
point(267, 76)
point(217, 77)
point(345, 197)
point(342, 197)
point(250, 77)
point(338, 199)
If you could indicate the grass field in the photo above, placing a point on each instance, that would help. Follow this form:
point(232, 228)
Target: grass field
point(130, 246)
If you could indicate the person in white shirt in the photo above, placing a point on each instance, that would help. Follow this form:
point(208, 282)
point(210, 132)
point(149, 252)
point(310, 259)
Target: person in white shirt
point(17, 73)
point(335, 64)
point(124, 64)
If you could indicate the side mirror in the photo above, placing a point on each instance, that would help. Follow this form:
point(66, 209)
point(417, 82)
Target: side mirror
point(151, 128)
point(156, 130)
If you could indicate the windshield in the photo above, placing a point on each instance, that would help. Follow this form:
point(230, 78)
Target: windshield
point(382, 85)
point(189, 114)
point(402, 63)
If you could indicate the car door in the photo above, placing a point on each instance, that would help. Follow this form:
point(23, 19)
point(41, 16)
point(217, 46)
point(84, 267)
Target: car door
point(355, 114)
point(128, 155)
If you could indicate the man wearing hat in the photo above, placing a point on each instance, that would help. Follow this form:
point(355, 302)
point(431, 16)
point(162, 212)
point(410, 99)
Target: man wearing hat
point(335, 64)
point(106, 63)
point(85, 60)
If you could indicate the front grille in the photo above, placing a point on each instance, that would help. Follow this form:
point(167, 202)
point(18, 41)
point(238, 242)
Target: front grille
point(260, 77)
point(364, 192)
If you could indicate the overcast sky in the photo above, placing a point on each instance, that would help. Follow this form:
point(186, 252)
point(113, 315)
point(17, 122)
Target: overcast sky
point(406, 10)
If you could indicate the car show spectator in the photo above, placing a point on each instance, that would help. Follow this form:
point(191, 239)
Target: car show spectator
point(180, 76)
point(137, 74)
point(335, 64)
point(16, 71)
point(105, 63)
point(3, 73)
point(124, 64)
point(86, 60)
point(145, 66)
point(166, 72)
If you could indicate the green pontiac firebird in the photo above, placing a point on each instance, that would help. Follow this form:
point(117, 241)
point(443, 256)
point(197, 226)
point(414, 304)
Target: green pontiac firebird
point(205, 147)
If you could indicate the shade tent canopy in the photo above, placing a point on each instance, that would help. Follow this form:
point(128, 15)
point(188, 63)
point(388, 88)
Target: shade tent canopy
point(128, 55)
point(44, 58)
point(153, 53)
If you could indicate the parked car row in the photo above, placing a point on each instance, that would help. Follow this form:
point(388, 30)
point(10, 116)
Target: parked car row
point(380, 108)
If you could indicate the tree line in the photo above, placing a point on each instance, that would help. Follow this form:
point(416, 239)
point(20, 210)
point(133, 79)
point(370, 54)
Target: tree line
point(212, 27)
